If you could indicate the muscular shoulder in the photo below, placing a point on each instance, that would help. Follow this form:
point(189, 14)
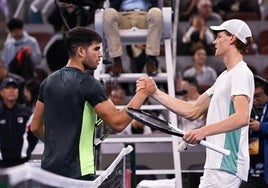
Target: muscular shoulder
point(93, 91)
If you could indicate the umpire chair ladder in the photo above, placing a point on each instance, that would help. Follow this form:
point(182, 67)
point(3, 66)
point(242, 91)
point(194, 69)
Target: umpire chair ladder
point(134, 36)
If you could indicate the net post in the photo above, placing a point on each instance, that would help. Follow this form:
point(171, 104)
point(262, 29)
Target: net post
point(133, 164)
point(4, 181)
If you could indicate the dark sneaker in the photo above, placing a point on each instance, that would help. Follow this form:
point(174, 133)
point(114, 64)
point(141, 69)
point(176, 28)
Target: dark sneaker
point(152, 66)
point(116, 69)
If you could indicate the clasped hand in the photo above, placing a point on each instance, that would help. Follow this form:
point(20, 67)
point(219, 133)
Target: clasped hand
point(146, 85)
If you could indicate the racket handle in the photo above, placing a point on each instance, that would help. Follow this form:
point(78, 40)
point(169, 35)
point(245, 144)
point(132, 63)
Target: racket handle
point(182, 146)
point(215, 148)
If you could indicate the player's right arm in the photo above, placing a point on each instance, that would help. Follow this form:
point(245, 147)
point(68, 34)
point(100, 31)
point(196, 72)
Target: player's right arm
point(37, 125)
point(178, 106)
point(118, 119)
point(181, 107)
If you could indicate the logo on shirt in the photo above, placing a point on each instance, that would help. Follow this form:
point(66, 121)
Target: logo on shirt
point(20, 119)
point(3, 121)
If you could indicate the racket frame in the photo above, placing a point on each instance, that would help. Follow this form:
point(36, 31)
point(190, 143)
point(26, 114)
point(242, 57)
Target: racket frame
point(171, 129)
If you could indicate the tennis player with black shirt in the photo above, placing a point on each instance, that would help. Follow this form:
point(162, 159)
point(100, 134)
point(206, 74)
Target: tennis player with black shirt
point(68, 102)
point(228, 103)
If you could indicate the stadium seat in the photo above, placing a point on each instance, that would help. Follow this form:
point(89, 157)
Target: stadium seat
point(263, 42)
point(246, 16)
point(264, 50)
point(42, 38)
point(42, 33)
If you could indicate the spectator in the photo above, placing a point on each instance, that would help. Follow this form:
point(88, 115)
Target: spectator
point(126, 14)
point(190, 93)
point(21, 51)
point(189, 89)
point(4, 73)
point(118, 95)
point(204, 74)
point(187, 9)
point(204, 9)
point(258, 137)
point(16, 140)
point(198, 35)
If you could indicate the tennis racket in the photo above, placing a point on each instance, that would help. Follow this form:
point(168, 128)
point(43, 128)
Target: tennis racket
point(161, 125)
point(104, 136)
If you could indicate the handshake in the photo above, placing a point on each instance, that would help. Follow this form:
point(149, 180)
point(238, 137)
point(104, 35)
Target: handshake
point(146, 85)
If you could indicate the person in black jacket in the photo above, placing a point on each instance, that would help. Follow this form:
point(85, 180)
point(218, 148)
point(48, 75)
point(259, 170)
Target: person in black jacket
point(124, 14)
point(16, 140)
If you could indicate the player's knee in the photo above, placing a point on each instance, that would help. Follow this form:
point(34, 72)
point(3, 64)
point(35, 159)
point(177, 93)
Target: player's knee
point(155, 15)
point(110, 15)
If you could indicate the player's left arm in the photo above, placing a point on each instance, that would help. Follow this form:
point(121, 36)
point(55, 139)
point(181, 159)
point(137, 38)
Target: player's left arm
point(37, 125)
point(118, 119)
point(235, 121)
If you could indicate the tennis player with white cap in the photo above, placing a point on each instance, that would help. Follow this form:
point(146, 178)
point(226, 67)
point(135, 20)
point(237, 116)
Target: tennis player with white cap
point(228, 104)
point(235, 27)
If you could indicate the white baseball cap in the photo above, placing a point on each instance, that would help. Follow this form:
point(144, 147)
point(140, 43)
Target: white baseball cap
point(236, 27)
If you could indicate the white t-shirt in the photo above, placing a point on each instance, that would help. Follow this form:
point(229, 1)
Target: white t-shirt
point(238, 81)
